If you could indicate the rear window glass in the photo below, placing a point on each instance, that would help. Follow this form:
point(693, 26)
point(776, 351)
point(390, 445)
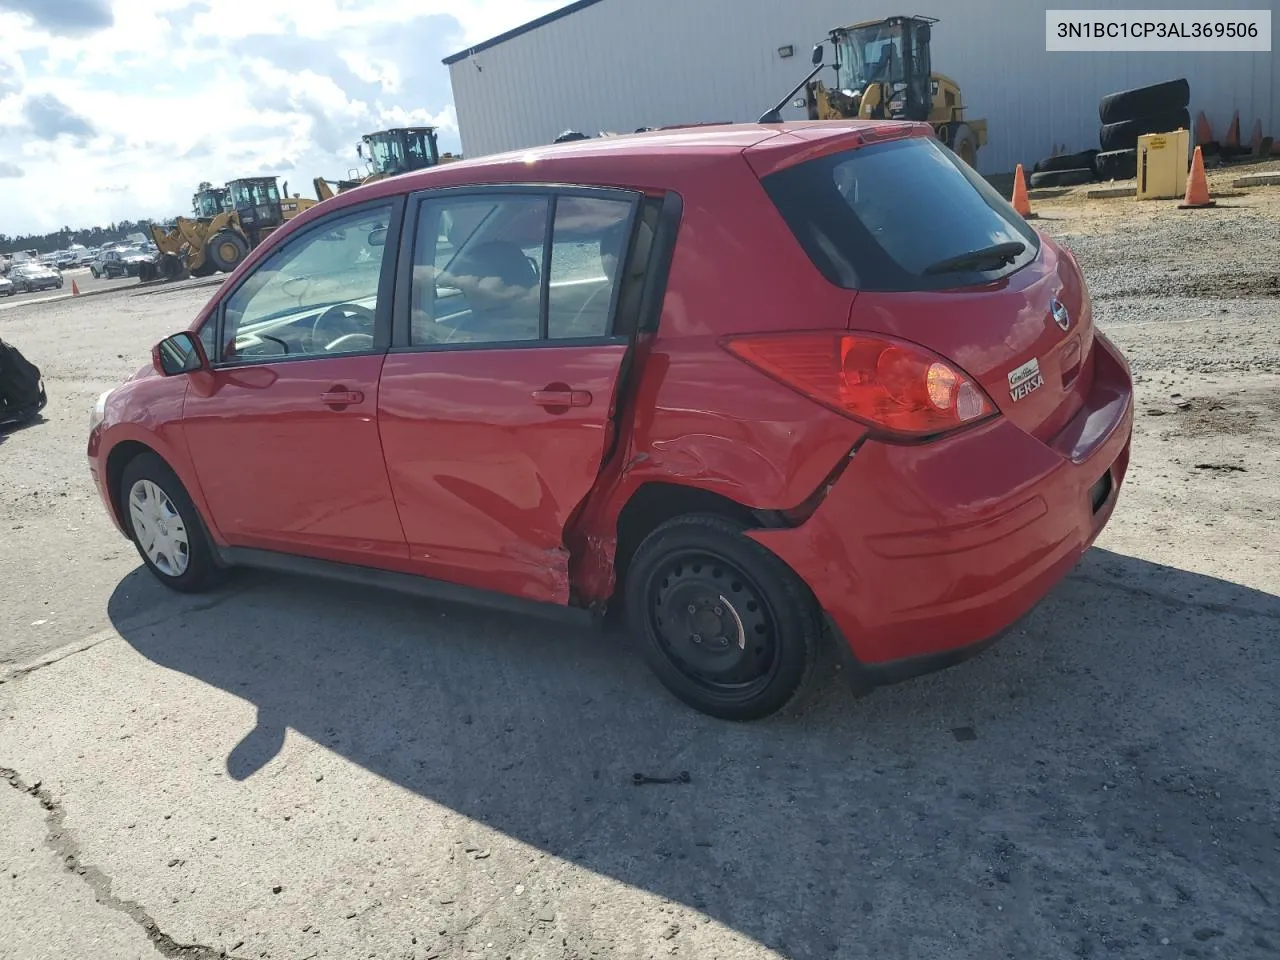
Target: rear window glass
point(889, 216)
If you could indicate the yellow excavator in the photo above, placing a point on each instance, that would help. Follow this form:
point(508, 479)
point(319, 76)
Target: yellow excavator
point(229, 222)
point(883, 70)
point(390, 153)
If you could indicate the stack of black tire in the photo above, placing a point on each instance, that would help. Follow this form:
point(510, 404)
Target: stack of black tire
point(1129, 114)
point(1125, 116)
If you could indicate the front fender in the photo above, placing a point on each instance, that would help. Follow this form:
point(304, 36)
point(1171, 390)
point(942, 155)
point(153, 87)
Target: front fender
point(149, 412)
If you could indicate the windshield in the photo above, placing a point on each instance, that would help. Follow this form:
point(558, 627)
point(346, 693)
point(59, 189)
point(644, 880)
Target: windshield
point(386, 153)
point(253, 193)
point(421, 149)
point(870, 55)
point(208, 204)
point(894, 54)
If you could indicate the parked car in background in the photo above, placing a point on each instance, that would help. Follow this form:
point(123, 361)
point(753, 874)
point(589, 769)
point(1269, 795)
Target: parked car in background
point(120, 262)
point(763, 387)
point(6, 287)
point(33, 277)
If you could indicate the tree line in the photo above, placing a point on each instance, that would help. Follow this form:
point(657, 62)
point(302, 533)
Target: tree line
point(61, 239)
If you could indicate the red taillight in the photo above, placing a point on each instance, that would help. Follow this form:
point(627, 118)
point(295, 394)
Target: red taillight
point(889, 384)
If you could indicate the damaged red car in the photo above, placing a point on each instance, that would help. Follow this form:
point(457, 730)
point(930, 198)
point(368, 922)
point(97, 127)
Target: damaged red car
point(762, 388)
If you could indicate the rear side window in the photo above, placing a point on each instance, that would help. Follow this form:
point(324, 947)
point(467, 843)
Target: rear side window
point(900, 216)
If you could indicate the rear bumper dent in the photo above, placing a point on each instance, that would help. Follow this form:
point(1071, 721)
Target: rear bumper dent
point(922, 555)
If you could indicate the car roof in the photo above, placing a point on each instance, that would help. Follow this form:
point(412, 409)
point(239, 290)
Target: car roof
point(613, 159)
point(656, 160)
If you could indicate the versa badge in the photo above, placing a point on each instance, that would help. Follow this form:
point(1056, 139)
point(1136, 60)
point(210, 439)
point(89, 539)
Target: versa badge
point(1025, 379)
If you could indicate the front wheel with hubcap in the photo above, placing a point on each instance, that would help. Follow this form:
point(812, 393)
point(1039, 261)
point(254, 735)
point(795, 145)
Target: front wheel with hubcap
point(165, 527)
point(727, 627)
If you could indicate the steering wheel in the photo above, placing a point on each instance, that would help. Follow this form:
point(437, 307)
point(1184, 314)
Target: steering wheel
point(350, 342)
point(607, 289)
point(342, 320)
point(304, 278)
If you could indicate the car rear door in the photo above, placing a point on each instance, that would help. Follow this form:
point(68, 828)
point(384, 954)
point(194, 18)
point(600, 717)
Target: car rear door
point(283, 432)
point(497, 402)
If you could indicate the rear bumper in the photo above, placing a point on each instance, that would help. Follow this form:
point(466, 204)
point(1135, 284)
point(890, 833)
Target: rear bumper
point(919, 553)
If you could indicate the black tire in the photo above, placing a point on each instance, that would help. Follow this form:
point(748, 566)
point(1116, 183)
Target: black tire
point(1062, 178)
point(226, 249)
point(1117, 165)
point(200, 571)
point(698, 561)
point(964, 143)
point(171, 267)
point(1066, 161)
point(1124, 135)
point(1141, 101)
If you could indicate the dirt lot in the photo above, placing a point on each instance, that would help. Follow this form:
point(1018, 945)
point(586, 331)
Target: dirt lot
point(292, 770)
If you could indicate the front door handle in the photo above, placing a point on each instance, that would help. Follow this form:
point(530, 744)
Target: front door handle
point(339, 397)
point(562, 398)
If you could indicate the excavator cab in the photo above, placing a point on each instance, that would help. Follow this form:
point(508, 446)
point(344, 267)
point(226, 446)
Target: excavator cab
point(256, 201)
point(883, 71)
point(392, 152)
point(209, 201)
point(887, 63)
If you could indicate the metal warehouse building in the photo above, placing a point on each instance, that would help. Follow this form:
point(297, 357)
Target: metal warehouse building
point(615, 65)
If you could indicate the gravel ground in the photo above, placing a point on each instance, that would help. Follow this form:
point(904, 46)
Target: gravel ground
point(291, 770)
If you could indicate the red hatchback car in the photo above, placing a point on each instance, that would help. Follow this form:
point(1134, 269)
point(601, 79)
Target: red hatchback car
point(764, 387)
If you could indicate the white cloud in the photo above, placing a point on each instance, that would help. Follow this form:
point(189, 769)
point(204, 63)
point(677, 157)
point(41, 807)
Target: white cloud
point(173, 92)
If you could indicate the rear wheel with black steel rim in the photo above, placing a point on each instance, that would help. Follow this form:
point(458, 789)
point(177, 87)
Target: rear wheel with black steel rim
point(726, 626)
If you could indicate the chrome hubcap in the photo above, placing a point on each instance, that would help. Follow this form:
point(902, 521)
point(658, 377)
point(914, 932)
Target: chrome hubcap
point(159, 529)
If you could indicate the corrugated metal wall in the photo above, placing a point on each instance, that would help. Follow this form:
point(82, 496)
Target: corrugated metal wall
point(622, 64)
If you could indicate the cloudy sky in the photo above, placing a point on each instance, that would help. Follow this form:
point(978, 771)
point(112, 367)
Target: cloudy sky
point(116, 109)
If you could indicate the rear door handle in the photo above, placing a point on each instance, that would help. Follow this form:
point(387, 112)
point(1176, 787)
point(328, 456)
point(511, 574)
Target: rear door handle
point(562, 398)
point(341, 398)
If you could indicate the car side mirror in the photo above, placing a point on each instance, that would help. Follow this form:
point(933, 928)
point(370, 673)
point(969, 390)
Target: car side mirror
point(923, 33)
point(378, 237)
point(818, 54)
point(180, 353)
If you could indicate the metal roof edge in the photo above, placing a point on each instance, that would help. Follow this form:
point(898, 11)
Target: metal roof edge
point(511, 34)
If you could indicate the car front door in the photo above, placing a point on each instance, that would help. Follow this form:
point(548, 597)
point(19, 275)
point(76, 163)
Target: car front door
point(284, 432)
point(498, 395)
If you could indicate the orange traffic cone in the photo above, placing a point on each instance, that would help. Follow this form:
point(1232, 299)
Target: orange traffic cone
point(75, 290)
point(1204, 133)
point(1021, 202)
point(1233, 131)
point(1255, 141)
point(1197, 185)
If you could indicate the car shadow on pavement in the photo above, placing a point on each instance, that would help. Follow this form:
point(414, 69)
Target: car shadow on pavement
point(1102, 779)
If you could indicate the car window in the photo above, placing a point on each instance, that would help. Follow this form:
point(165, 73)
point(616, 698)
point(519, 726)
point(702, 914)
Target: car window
point(589, 237)
point(886, 216)
point(315, 296)
point(479, 264)
point(478, 270)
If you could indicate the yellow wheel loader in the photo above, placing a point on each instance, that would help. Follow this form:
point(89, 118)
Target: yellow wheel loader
point(228, 223)
point(391, 152)
point(882, 71)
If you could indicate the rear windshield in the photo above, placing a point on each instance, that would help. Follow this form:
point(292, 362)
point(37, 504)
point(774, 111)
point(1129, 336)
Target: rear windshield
point(889, 216)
